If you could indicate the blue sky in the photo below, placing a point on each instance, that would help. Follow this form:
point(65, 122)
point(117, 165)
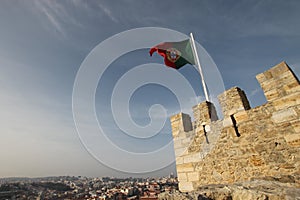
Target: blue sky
point(43, 44)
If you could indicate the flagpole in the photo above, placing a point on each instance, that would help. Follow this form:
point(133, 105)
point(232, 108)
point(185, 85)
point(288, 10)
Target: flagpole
point(197, 62)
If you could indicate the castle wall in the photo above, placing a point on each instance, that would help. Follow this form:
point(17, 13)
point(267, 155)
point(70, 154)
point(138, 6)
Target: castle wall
point(247, 143)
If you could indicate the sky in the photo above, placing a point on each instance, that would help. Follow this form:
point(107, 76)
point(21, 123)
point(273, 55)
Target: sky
point(45, 45)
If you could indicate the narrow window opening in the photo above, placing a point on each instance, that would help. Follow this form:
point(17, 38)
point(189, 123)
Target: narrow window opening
point(235, 126)
point(205, 134)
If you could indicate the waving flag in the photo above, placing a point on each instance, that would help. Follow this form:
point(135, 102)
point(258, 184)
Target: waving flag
point(176, 54)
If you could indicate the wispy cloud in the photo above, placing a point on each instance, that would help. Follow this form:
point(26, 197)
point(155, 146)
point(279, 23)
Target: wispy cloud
point(59, 16)
point(56, 15)
point(107, 12)
point(50, 16)
point(90, 8)
point(255, 91)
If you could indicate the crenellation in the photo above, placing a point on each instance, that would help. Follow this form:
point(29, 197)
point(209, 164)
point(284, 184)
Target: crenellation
point(278, 82)
point(247, 143)
point(232, 101)
point(204, 113)
point(181, 122)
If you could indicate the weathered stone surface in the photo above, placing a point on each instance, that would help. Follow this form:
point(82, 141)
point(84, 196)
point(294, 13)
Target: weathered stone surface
point(227, 122)
point(255, 189)
point(185, 167)
point(293, 140)
point(247, 143)
point(193, 176)
point(233, 100)
point(296, 125)
point(180, 122)
point(191, 158)
point(182, 176)
point(179, 160)
point(241, 117)
point(272, 94)
point(180, 151)
point(287, 101)
point(186, 186)
point(256, 160)
point(204, 113)
point(278, 81)
point(284, 115)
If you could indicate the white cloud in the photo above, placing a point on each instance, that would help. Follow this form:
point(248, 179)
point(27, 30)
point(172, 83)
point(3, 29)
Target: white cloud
point(255, 91)
point(107, 12)
point(53, 14)
point(50, 13)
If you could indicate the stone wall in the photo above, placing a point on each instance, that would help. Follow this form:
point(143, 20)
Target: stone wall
point(246, 144)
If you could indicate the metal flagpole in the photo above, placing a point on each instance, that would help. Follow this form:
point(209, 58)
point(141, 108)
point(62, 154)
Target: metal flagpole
point(199, 66)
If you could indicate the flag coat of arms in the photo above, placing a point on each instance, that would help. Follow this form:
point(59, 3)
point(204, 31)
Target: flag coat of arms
point(176, 54)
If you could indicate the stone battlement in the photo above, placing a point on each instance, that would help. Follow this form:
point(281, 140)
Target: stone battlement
point(246, 144)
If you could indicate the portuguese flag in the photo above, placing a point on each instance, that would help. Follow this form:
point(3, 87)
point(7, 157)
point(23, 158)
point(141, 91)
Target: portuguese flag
point(176, 54)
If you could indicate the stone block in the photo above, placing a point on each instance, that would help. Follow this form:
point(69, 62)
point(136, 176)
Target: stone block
point(296, 125)
point(287, 101)
point(290, 89)
point(256, 160)
point(287, 166)
point(179, 160)
point(182, 177)
point(272, 94)
point(201, 155)
point(261, 77)
point(186, 141)
point(227, 122)
point(185, 168)
point(182, 135)
point(279, 69)
point(268, 75)
point(185, 186)
point(269, 85)
point(195, 157)
point(287, 78)
point(293, 140)
point(241, 116)
point(188, 159)
point(217, 176)
point(284, 115)
point(297, 109)
point(293, 86)
point(180, 151)
point(177, 144)
point(193, 176)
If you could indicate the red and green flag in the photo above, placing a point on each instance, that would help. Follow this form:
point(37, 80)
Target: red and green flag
point(176, 54)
